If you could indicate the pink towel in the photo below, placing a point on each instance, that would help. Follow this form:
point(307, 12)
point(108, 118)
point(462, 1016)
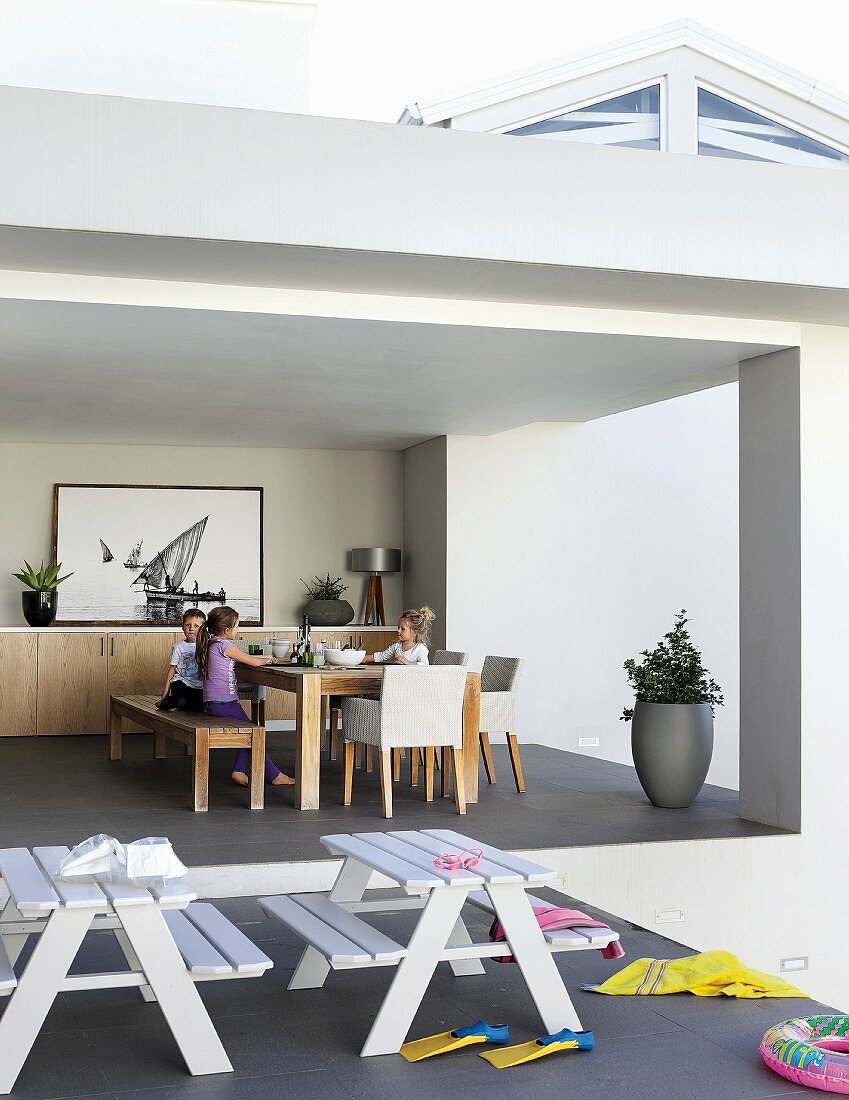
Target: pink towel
point(550, 918)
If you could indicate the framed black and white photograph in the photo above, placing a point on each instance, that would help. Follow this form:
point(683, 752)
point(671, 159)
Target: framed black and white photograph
point(141, 554)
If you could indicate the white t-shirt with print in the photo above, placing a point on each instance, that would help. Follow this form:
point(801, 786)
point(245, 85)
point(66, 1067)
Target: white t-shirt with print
point(184, 659)
point(419, 654)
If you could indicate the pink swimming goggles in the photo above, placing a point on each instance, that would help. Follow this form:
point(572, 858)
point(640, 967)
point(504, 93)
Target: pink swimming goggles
point(453, 861)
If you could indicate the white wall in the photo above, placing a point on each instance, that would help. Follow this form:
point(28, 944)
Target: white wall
point(574, 545)
point(232, 53)
point(317, 505)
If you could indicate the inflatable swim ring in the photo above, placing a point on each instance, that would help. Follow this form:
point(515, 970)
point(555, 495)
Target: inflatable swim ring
point(812, 1051)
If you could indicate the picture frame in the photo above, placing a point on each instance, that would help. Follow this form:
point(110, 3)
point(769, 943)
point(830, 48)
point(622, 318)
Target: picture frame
point(141, 554)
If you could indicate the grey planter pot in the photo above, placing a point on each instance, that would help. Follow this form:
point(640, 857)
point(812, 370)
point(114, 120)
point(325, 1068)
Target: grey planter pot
point(329, 612)
point(672, 744)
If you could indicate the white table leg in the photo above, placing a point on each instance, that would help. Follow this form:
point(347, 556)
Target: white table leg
point(412, 977)
point(30, 1002)
point(460, 938)
point(174, 989)
point(350, 885)
point(133, 961)
point(13, 942)
point(536, 962)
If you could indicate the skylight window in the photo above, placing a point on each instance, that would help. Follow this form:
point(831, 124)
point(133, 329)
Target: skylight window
point(630, 121)
point(728, 130)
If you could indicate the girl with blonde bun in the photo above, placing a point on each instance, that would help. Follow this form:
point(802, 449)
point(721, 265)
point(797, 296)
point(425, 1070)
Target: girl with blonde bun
point(413, 638)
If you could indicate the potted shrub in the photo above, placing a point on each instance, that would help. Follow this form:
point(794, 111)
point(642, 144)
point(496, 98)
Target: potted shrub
point(39, 603)
point(672, 727)
point(325, 607)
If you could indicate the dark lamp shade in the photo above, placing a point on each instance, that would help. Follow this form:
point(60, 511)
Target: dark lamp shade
point(375, 559)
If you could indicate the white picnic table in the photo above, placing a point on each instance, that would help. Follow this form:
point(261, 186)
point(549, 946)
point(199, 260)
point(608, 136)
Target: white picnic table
point(170, 941)
point(339, 939)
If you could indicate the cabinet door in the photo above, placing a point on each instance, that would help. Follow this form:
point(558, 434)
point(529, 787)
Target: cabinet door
point(137, 665)
point(72, 694)
point(279, 705)
point(18, 684)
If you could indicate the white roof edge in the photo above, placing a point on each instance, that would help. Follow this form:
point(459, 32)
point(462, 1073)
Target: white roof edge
point(682, 32)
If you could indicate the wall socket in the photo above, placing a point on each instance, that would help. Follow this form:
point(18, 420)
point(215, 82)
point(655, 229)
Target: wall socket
point(799, 962)
point(668, 916)
point(587, 742)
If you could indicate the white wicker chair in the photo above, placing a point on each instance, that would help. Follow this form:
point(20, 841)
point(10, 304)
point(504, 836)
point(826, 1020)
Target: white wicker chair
point(499, 679)
point(417, 707)
point(440, 657)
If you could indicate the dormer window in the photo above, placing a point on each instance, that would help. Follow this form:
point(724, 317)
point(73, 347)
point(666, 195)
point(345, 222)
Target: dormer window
point(727, 129)
point(630, 120)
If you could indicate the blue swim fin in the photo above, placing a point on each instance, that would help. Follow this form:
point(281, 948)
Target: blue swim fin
point(539, 1048)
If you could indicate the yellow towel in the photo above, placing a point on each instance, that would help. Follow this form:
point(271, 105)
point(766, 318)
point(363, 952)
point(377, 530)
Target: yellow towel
point(708, 974)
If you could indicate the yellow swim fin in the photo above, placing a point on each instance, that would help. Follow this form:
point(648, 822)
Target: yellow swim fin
point(480, 1032)
point(538, 1048)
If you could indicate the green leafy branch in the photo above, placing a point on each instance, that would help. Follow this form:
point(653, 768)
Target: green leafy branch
point(44, 579)
point(672, 672)
point(325, 589)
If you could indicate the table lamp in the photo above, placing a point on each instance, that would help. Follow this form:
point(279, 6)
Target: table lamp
point(375, 560)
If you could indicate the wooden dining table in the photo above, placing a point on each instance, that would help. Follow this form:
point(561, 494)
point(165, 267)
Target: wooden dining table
point(311, 685)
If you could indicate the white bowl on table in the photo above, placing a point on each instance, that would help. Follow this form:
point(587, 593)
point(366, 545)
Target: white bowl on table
point(344, 657)
point(280, 648)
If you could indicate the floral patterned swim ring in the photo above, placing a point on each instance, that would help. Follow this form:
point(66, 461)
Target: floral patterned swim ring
point(812, 1051)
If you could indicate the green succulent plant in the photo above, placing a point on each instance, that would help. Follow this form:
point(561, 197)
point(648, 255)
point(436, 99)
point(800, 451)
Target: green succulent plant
point(325, 589)
point(672, 672)
point(44, 580)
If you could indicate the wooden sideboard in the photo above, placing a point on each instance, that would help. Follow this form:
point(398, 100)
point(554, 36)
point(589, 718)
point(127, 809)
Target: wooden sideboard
point(59, 682)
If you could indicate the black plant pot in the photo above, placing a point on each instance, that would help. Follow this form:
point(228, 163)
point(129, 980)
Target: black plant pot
point(39, 607)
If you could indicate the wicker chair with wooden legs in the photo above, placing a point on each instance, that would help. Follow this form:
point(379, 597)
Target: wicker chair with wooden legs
point(440, 657)
point(418, 707)
point(499, 680)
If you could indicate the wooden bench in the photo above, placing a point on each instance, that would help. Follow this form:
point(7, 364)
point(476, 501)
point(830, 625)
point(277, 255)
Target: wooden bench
point(200, 732)
point(345, 940)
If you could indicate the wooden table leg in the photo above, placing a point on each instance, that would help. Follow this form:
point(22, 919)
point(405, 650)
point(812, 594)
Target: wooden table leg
point(200, 771)
point(116, 728)
point(471, 730)
point(307, 742)
point(158, 745)
point(257, 799)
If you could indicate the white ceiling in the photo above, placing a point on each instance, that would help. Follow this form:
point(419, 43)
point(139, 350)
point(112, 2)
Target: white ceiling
point(125, 374)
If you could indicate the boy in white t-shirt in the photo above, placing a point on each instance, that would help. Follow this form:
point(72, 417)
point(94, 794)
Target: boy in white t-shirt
point(183, 686)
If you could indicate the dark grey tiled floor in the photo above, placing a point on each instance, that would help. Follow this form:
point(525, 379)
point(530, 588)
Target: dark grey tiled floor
point(58, 790)
point(305, 1043)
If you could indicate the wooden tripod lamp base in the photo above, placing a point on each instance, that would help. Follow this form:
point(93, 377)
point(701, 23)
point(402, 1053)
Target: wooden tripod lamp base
point(375, 560)
point(374, 602)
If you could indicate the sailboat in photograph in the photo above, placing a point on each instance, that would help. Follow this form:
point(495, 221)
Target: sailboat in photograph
point(107, 553)
point(134, 560)
point(163, 577)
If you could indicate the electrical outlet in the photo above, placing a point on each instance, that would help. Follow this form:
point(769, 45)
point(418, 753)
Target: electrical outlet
point(799, 962)
point(587, 742)
point(668, 916)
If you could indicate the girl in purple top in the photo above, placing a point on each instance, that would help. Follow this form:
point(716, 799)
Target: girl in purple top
point(217, 656)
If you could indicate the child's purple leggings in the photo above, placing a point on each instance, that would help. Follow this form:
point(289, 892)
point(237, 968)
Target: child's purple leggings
point(234, 709)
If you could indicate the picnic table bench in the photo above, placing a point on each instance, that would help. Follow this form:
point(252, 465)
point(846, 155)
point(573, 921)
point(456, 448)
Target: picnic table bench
point(170, 942)
point(338, 938)
point(200, 732)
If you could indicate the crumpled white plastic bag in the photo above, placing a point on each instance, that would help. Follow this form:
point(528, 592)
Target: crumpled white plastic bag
point(148, 861)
